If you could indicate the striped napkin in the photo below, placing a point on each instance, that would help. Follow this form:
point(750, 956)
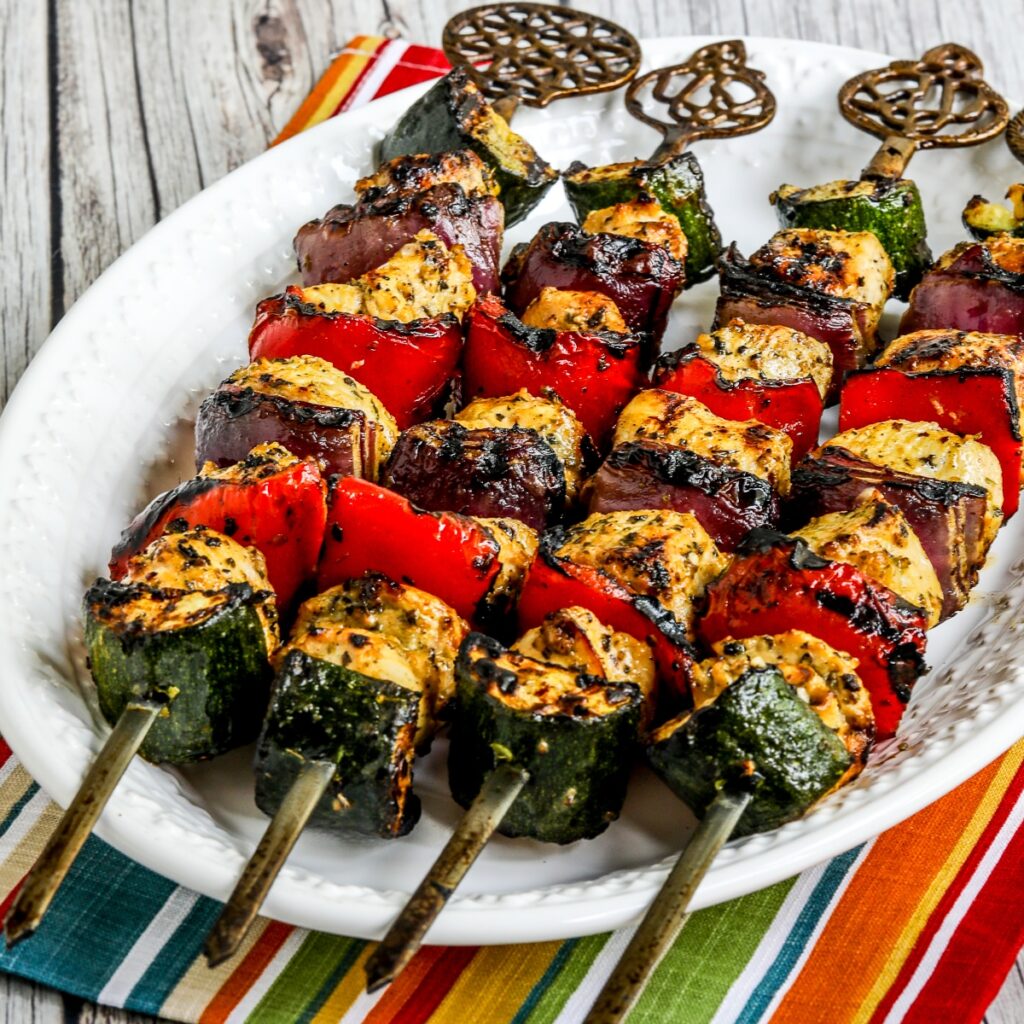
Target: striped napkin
point(921, 924)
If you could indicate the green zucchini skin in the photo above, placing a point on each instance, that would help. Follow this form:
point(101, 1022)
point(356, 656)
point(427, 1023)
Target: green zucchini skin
point(219, 667)
point(319, 710)
point(677, 184)
point(578, 767)
point(452, 115)
point(891, 210)
point(758, 719)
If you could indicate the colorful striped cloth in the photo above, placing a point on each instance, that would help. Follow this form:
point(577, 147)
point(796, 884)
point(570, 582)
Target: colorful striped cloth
point(921, 924)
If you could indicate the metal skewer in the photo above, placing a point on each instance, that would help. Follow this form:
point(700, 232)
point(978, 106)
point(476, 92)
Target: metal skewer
point(478, 824)
point(78, 820)
point(266, 862)
point(668, 913)
point(536, 53)
point(898, 104)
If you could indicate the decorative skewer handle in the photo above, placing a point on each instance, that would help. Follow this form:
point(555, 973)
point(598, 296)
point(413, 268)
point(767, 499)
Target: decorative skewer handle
point(78, 820)
point(668, 913)
point(266, 862)
point(405, 936)
point(713, 94)
point(940, 100)
point(535, 53)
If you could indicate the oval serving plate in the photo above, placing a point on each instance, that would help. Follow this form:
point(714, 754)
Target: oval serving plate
point(101, 421)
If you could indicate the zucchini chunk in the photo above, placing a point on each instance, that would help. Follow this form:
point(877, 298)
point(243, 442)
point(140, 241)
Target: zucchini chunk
point(348, 696)
point(824, 677)
point(549, 417)
point(304, 404)
point(454, 114)
point(427, 631)
point(760, 733)
point(984, 219)
point(575, 734)
point(891, 210)
point(671, 418)
point(876, 538)
point(192, 625)
point(676, 185)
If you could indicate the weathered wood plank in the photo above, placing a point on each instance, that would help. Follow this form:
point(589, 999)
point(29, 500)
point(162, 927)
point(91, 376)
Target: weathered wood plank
point(21, 1002)
point(25, 201)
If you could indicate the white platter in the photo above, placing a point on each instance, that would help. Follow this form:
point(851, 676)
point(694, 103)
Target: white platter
point(101, 422)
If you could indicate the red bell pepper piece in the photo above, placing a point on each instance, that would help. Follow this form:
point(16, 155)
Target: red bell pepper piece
point(967, 400)
point(595, 375)
point(778, 584)
point(270, 500)
point(791, 405)
point(409, 367)
point(372, 529)
point(553, 583)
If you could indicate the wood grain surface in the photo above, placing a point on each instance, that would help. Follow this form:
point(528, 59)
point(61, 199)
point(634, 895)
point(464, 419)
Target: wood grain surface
point(113, 113)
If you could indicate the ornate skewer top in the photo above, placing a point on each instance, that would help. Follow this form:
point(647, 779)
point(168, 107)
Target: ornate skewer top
point(713, 94)
point(537, 53)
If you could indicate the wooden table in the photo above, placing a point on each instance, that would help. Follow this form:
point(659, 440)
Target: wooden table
point(115, 112)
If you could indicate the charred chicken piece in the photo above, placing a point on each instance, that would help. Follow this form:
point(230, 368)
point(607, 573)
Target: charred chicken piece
point(475, 565)
point(642, 573)
point(351, 240)
point(269, 500)
point(573, 733)
point(946, 486)
point(574, 638)
point(670, 418)
point(875, 537)
point(593, 372)
point(830, 285)
point(303, 403)
point(643, 219)
point(423, 280)
point(553, 421)
point(975, 286)
point(485, 471)
point(642, 279)
point(776, 582)
point(967, 382)
point(582, 312)
point(426, 630)
point(765, 372)
point(406, 175)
